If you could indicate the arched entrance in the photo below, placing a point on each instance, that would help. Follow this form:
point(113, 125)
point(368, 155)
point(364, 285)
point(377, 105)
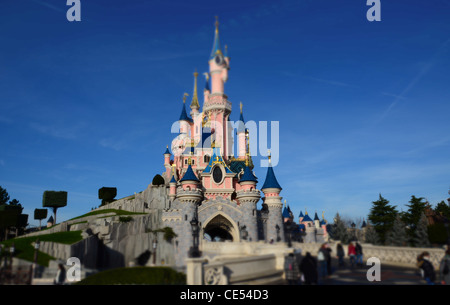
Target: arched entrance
point(219, 228)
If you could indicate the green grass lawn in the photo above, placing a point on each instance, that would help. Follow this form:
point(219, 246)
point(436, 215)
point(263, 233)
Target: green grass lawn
point(136, 276)
point(24, 248)
point(117, 212)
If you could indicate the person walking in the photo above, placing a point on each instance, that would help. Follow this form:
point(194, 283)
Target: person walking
point(352, 254)
point(423, 262)
point(444, 269)
point(340, 254)
point(322, 262)
point(60, 275)
point(359, 255)
point(291, 269)
point(308, 268)
point(328, 251)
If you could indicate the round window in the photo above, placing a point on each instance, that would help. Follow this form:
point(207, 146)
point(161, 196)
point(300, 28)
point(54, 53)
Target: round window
point(217, 175)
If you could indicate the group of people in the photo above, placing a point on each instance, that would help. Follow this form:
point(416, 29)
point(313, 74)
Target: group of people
point(309, 270)
point(428, 271)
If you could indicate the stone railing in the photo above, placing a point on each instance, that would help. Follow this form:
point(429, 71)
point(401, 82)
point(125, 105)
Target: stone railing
point(239, 270)
point(400, 256)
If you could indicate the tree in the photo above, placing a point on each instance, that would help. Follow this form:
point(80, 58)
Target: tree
point(443, 209)
point(4, 197)
point(421, 238)
point(54, 200)
point(340, 231)
point(158, 180)
point(397, 235)
point(40, 214)
point(107, 194)
point(415, 210)
point(371, 236)
point(382, 216)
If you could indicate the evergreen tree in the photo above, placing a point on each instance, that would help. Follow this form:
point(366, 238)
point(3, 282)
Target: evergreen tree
point(382, 216)
point(421, 238)
point(4, 197)
point(415, 210)
point(371, 236)
point(340, 231)
point(443, 208)
point(397, 236)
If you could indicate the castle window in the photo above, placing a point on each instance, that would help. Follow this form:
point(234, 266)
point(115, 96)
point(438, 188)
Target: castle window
point(206, 158)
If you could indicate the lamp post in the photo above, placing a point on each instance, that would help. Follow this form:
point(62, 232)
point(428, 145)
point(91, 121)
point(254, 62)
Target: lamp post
point(194, 251)
point(155, 244)
point(37, 244)
point(12, 249)
point(244, 233)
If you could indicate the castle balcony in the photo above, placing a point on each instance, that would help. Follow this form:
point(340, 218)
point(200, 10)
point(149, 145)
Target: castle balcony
point(190, 195)
point(252, 195)
point(217, 101)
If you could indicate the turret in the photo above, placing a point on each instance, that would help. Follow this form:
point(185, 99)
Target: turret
point(218, 65)
point(316, 221)
point(300, 217)
point(185, 120)
point(241, 133)
point(173, 188)
point(167, 155)
point(272, 199)
point(248, 197)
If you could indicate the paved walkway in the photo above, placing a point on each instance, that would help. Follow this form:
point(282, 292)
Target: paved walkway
point(389, 275)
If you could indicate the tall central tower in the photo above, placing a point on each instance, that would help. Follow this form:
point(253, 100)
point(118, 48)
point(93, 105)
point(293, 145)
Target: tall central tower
point(217, 108)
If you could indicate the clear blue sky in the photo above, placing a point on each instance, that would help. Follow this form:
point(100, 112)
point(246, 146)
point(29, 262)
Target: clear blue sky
point(364, 107)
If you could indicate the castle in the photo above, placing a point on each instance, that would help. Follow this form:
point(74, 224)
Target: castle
point(206, 182)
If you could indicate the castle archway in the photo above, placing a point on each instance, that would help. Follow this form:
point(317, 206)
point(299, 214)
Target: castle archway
point(219, 228)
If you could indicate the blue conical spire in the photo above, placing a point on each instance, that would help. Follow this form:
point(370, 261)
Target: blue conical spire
point(184, 116)
point(286, 213)
point(241, 123)
point(167, 151)
point(189, 175)
point(248, 175)
point(216, 45)
point(301, 214)
point(271, 180)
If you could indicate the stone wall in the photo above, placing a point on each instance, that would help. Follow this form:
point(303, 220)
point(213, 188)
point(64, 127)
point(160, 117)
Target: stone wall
point(399, 256)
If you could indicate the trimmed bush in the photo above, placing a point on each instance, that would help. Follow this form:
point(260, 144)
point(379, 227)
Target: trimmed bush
point(136, 276)
point(107, 194)
point(52, 199)
point(158, 180)
point(40, 214)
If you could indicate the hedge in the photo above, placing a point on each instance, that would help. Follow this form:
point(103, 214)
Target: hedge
point(53, 199)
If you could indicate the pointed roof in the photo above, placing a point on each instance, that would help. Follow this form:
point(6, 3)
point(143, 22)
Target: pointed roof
point(301, 214)
point(207, 82)
point(306, 218)
point(271, 180)
point(241, 122)
point(216, 44)
point(189, 175)
point(173, 179)
point(167, 151)
point(248, 175)
point(364, 224)
point(316, 217)
point(216, 158)
point(194, 103)
point(286, 213)
point(51, 219)
point(184, 116)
